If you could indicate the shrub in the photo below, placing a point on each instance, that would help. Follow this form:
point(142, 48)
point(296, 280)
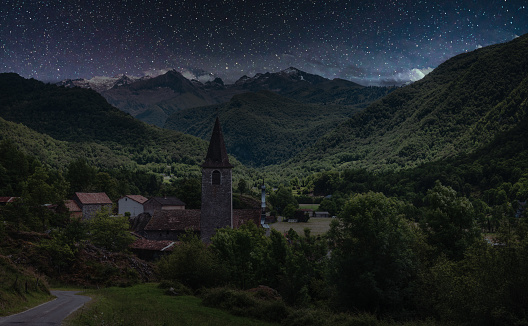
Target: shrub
point(246, 303)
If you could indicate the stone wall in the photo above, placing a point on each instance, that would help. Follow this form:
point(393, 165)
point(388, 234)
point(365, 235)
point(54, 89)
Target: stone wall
point(217, 202)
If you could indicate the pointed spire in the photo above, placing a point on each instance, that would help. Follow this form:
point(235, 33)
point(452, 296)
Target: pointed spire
point(217, 153)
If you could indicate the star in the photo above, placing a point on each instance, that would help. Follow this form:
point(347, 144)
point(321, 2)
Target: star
point(372, 42)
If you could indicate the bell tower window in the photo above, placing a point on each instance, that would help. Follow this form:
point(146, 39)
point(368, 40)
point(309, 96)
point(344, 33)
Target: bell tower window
point(216, 177)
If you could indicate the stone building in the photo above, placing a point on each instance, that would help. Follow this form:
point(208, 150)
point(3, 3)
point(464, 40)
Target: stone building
point(217, 193)
point(91, 202)
point(163, 204)
point(171, 224)
point(167, 223)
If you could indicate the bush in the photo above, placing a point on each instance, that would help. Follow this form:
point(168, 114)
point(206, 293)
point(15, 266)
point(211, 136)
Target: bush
point(191, 264)
point(254, 304)
point(175, 288)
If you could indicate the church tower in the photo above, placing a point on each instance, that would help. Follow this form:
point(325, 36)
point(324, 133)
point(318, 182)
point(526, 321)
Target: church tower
point(217, 193)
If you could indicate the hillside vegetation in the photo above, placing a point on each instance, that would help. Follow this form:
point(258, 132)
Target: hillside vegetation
point(462, 105)
point(263, 128)
point(58, 124)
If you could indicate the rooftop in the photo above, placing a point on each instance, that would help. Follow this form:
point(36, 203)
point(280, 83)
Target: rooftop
point(87, 198)
point(176, 220)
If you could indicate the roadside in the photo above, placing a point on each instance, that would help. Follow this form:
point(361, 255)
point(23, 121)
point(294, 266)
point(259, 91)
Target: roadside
point(49, 313)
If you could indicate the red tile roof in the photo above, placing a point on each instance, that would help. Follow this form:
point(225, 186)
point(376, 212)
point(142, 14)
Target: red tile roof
point(177, 220)
point(87, 198)
point(6, 200)
point(241, 216)
point(72, 206)
point(138, 198)
point(154, 245)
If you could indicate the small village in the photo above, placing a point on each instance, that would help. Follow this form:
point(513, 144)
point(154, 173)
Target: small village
point(158, 223)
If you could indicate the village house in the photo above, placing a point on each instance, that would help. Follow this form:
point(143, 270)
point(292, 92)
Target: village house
point(91, 202)
point(321, 214)
point(131, 204)
point(5, 200)
point(74, 209)
point(163, 204)
point(171, 224)
point(152, 249)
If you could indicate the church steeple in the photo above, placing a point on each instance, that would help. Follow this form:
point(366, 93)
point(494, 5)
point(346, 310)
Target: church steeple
point(217, 190)
point(217, 153)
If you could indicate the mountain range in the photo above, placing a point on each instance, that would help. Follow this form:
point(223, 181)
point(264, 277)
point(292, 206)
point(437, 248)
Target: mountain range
point(153, 100)
point(463, 106)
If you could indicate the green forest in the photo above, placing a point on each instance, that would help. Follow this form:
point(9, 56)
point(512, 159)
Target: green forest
point(428, 184)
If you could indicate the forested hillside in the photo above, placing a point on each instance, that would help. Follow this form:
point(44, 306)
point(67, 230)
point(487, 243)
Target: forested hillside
point(57, 125)
point(263, 128)
point(462, 105)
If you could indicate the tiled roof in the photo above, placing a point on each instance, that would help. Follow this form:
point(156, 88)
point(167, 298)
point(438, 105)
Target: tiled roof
point(6, 200)
point(154, 245)
point(87, 198)
point(72, 206)
point(137, 198)
point(168, 201)
point(241, 216)
point(177, 220)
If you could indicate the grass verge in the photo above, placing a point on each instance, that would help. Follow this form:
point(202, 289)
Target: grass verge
point(146, 304)
point(20, 289)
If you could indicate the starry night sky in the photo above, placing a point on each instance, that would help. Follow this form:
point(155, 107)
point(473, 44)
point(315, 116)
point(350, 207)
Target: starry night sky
point(364, 41)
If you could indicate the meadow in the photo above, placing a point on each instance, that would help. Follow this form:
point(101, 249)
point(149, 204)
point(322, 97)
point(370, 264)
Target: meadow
point(317, 226)
point(146, 305)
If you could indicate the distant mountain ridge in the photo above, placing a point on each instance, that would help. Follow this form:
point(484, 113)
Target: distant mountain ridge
point(101, 83)
point(153, 100)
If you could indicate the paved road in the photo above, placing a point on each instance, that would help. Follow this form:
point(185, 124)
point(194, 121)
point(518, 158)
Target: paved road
point(50, 313)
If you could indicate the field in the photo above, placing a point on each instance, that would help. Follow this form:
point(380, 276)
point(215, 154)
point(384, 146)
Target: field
point(318, 226)
point(309, 206)
point(146, 305)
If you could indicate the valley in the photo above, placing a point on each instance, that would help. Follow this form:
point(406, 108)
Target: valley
point(417, 176)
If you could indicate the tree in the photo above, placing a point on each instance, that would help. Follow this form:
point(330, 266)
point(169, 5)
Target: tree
point(109, 232)
point(449, 221)
point(242, 186)
point(81, 175)
point(289, 210)
point(189, 190)
point(192, 264)
point(281, 198)
point(105, 183)
point(372, 266)
point(240, 251)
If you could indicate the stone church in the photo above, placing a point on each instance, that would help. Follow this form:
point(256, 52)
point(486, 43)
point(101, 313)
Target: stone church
point(217, 202)
point(217, 190)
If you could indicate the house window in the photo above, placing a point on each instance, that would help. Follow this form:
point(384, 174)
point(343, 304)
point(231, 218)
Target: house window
point(216, 177)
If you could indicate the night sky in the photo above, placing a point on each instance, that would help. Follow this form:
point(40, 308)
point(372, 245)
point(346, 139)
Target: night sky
point(369, 42)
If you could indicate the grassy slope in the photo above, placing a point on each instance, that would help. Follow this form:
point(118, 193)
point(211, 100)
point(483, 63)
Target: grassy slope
point(145, 304)
point(14, 297)
point(457, 108)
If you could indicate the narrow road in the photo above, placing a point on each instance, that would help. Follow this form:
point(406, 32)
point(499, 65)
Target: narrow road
point(49, 313)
